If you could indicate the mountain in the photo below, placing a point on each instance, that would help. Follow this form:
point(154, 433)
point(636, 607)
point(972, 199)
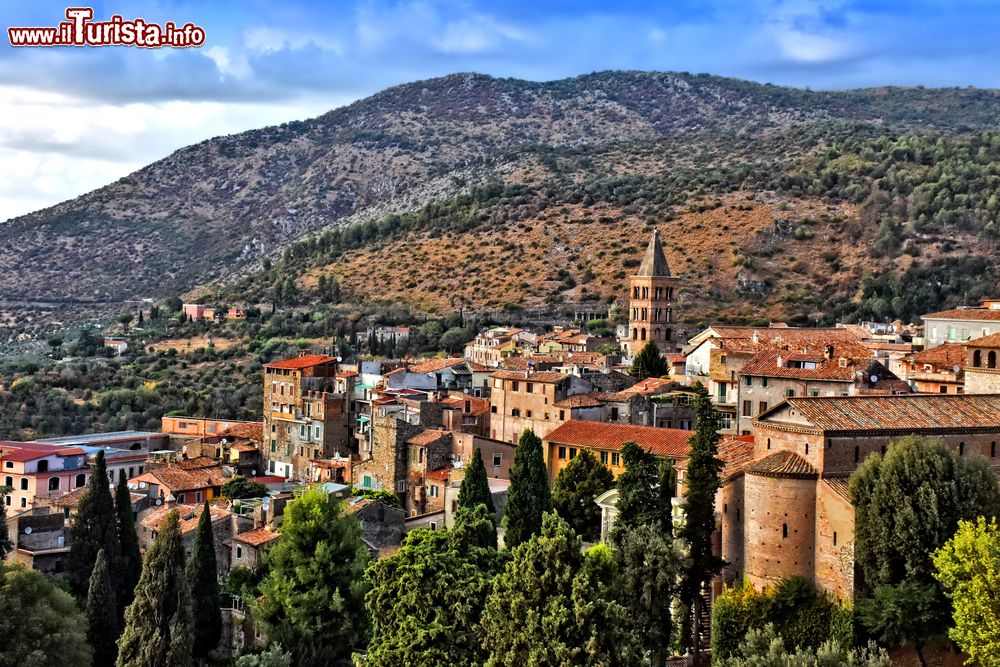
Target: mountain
point(735, 170)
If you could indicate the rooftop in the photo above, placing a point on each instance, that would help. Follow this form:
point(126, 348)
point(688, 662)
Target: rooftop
point(545, 377)
point(304, 361)
point(900, 413)
point(992, 340)
point(654, 262)
point(255, 538)
point(579, 401)
point(941, 356)
point(782, 464)
point(599, 435)
point(427, 437)
point(978, 314)
point(434, 365)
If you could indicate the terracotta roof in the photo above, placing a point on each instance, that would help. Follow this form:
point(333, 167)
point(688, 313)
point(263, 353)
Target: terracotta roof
point(676, 357)
point(441, 474)
point(436, 364)
point(614, 397)
point(544, 377)
point(347, 374)
point(941, 356)
point(736, 452)
point(599, 435)
point(29, 451)
point(196, 462)
point(765, 363)
point(255, 538)
point(901, 413)
point(521, 363)
point(188, 515)
point(175, 478)
point(993, 340)
point(840, 486)
point(247, 431)
point(982, 314)
point(782, 464)
point(401, 369)
point(647, 386)
point(427, 437)
point(579, 401)
point(305, 361)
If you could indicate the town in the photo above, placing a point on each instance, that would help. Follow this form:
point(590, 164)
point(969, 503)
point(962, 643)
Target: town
point(680, 482)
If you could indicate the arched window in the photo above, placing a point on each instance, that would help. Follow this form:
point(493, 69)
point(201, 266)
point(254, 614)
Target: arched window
point(53, 484)
point(81, 479)
point(656, 334)
point(635, 333)
point(669, 335)
point(977, 358)
point(43, 466)
point(643, 333)
point(991, 359)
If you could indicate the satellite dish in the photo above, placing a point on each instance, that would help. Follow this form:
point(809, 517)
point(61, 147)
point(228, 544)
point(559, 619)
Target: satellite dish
point(254, 472)
point(956, 368)
point(266, 503)
point(873, 378)
point(339, 359)
point(159, 501)
point(27, 531)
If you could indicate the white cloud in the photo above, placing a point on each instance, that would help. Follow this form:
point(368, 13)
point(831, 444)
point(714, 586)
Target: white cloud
point(266, 39)
point(477, 34)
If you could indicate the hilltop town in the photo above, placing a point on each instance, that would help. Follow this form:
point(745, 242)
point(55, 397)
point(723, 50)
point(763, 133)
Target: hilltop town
point(760, 437)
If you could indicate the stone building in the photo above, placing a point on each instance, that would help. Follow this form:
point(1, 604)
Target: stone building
point(960, 325)
point(936, 370)
point(305, 419)
point(982, 365)
point(784, 508)
point(652, 309)
point(225, 525)
point(522, 400)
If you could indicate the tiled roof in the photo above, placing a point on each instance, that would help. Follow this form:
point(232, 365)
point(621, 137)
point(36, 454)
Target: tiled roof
point(196, 462)
point(248, 431)
point(676, 357)
point(305, 361)
point(647, 386)
point(765, 363)
point(255, 538)
point(175, 478)
point(544, 377)
point(993, 340)
point(654, 263)
point(840, 486)
point(427, 437)
point(902, 413)
point(188, 515)
point(433, 365)
point(599, 435)
point(941, 356)
point(521, 363)
point(347, 374)
point(579, 401)
point(736, 452)
point(615, 396)
point(981, 314)
point(782, 464)
point(440, 475)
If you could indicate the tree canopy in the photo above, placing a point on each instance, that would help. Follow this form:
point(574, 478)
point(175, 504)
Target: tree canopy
point(575, 489)
point(203, 579)
point(475, 487)
point(528, 496)
point(649, 362)
point(130, 566)
point(238, 488)
point(102, 615)
point(95, 527)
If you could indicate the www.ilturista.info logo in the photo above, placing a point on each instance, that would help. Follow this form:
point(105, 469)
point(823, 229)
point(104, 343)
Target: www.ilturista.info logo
point(82, 30)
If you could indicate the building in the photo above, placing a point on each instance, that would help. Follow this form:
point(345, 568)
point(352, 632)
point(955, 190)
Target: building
point(605, 442)
point(189, 481)
point(39, 539)
point(304, 418)
point(451, 374)
point(982, 369)
point(960, 325)
point(936, 370)
point(38, 473)
point(196, 312)
point(785, 509)
point(117, 345)
point(199, 427)
point(652, 307)
point(526, 400)
point(225, 526)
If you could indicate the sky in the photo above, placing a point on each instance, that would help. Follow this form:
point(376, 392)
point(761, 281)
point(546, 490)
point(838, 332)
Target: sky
point(75, 118)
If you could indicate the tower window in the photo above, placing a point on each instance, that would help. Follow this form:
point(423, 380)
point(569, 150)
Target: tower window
point(784, 530)
point(834, 538)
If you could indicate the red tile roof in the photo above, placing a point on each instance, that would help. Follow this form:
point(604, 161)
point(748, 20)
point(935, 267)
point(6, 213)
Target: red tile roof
point(840, 486)
point(766, 363)
point(176, 479)
point(29, 451)
point(599, 435)
point(901, 414)
point(188, 515)
point(305, 361)
point(579, 401)
point(440, 475)
point(993, 340)
point(940, 356)
point(247, 431)
point(736, 452)
point(782, 464)
point(981, 314)
point(434, 365)
point(427, 437)
point(545, 377)
point(255, 538)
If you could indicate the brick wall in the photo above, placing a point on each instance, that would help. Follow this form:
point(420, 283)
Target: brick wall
point(982, 380)
point(834, 542)
point(780, 528)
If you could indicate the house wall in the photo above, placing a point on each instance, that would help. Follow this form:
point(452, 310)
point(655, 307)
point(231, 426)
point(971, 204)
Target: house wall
point(729, 506)
point(939, 331)
point(982, 380)
point(464, 444)
point(834, 557)
point(774, 504)
point(514, 410)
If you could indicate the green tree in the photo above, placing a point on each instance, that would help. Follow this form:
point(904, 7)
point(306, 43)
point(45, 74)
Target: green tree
point(703, 481)
point(102, 617)
point(907, 505)
point(239, 488)
point(55, 342)
point(550, 606)
point(40, 625)
point(475, 487)
point(765, 648)
point(649, 363)
point(5, 543)
point(203, 580)
point(968, 566)
point(312, 598)
point(638, 498)
point(453, 339)
point(651, 565)
point(426, 599)
point(95, 527)
point(274, 656)
point(575, 489)
point(130, 565)
point(528, 496)
point(158, 629)
point(665, 489)
point(125, 319)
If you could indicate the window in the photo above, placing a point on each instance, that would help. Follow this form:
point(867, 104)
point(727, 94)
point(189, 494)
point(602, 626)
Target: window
point(24, 502)
point(748, 380)
point(993, 449)
point(515, 412)
point(807, 449)
point(81, 479)
point(814, 392)
point(604, 458)
point(977, 358)
point(497, 459)
point(726, 420)
point(8, 481)
point(529, 387)
point(857, 453)
point(747, 408)
point(961, 449)
point(784, 530)
point(943, 389)
point(562, 415)
point(527, 413)
point(180, 497)
point(614, 414)
point(24, 483)
point(432, 491)
point(43, 466)
point(514, 386)
point(763, 382)
point(615, 458)
point(239, 551)
point(769, 443)
point(834, 538)
point(991, 359)
point(572, 453)
point(366, 482)
point(562, 452)
point(53, 484)
point(493, 409)
point(8, 464)
point(762, 408)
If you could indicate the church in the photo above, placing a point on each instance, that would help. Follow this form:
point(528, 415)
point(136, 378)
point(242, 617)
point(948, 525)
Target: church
point(652, 311)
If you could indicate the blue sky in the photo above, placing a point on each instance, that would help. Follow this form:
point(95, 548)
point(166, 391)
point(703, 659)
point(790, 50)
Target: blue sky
point(77, 118)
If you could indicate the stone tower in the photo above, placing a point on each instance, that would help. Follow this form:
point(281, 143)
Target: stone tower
point(652, 313)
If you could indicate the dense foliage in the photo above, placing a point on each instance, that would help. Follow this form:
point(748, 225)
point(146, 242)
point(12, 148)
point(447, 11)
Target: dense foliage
point(95, 528)
point(575, 489)
point(765, 648)
point(203, 580)
point(103, 627)
point(649, 362)
point(528, 497)
point(475, 489)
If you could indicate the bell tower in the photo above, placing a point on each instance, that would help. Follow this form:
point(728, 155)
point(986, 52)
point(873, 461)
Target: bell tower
point(652, 313)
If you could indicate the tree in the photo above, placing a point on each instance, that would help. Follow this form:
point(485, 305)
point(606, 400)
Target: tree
point(130, 566)
point(125, 319)
point(651, 565)
point(426, 599)
point(40, 625)
point(312, 598)
point(575, 489)
point(765, 648)
point(550, 607)
point(649, 363)
point(55, 342)
point(102, 615)
point(665, 490)
point(453, 339)
point(968, 566)
point(238, 488)
point(5, 544)
point(907, 505)
point(158, 627)
point(703, 481)
point(95, 527)
point(203, 580)
point(475, 489)
point(638, 499)
point(528, 496)
point(274, 656)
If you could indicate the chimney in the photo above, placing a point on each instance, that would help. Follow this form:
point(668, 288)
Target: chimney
point(829, 352)
point(755, 338)
point(781, 362)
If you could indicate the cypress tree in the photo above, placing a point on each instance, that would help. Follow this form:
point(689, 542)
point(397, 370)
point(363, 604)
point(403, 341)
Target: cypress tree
point(130, 567)
point(574, 491)
point(475, 488)
point(703, 481)
point(638, 498)
point(203, 579)
point(158, 628)
point(95, 527)
point(5, 543)
point(649, 363)
point(666, 489)
point(102, 618)
point(528, 497)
